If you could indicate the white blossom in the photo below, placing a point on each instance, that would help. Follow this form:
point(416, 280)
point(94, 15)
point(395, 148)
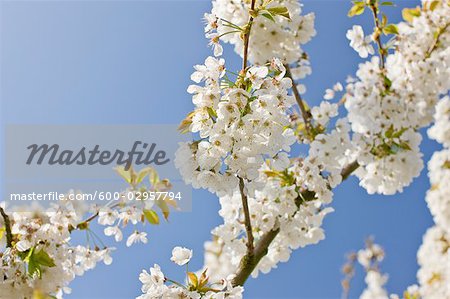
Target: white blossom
point(137, 237)
point(359, 42)
point(181, 255)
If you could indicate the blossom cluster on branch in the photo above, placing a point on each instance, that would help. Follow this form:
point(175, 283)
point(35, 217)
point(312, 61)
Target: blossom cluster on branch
point(420, 73)
point(434, 254)
point(156, 285)
point(279, 205)
point(245, 123)
point(38, 257)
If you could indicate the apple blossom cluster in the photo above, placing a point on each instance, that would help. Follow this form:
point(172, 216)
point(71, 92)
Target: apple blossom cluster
point(370, 258)
point(434, 261)
point(314, 122)
point(440, 131)
point(434, 253)
point(278, 31)
point(238, 127)
point(244, 130)
point(438, 197)
point(419, 69)
point(39, 258)
point(389, 102)
point(276, 201)
point(375, 285)
point(412, 79)
point(155, 285)
point(274, 204)
point(392, 97)
point(244, 135)
point(42, 261)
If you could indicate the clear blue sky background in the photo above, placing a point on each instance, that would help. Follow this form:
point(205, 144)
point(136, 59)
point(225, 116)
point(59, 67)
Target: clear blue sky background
point(127, 62)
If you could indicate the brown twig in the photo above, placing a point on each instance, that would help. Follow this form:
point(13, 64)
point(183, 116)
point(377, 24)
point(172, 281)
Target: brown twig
point(249, 263)
point(248, 224)
point(435, 44)
point(7, 227)
point(247, 37)
point(378, 32)
point(349, 169)
point(305, 114)
point(92, 217)
point(348, 269)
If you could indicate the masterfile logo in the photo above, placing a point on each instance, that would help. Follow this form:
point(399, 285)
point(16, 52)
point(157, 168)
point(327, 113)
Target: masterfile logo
point(146, 154)
point(53, 159)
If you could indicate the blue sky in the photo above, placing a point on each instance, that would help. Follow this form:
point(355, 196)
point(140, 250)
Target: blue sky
point(129, 62)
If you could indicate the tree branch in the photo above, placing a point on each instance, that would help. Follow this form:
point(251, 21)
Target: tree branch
point(248, 224)
point(247, 37)
point(255, 254)
point(305, 114)
point(7, 227)
point(349, 169)
point(85, 223)
point(378, 32)
point(435, 44)
point(249, 263)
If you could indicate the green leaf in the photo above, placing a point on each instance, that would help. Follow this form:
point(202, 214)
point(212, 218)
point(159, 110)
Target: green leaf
point(38, 294)
point(142, 174)
point(410, 13)
point(186, 123)
point(357, 9)
point(446, 164)
point(193, 279)
point(390, 29)
point(387, 82)
point(387, 3)
point(389, 132)
point(384, 20)
point(399, 133)
point(404, 146)
point(268, 15)
point(211, 112)
point(203, 280)
point(42, 258)
point(24, 254)
point(37, 259)
point(153, 177)
point(164, 208)
point(162, 185)
point(126, 174)
point(272, 173)
point(33, 268)
point(151, 216)
point(433, 5)
point(279, 11)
